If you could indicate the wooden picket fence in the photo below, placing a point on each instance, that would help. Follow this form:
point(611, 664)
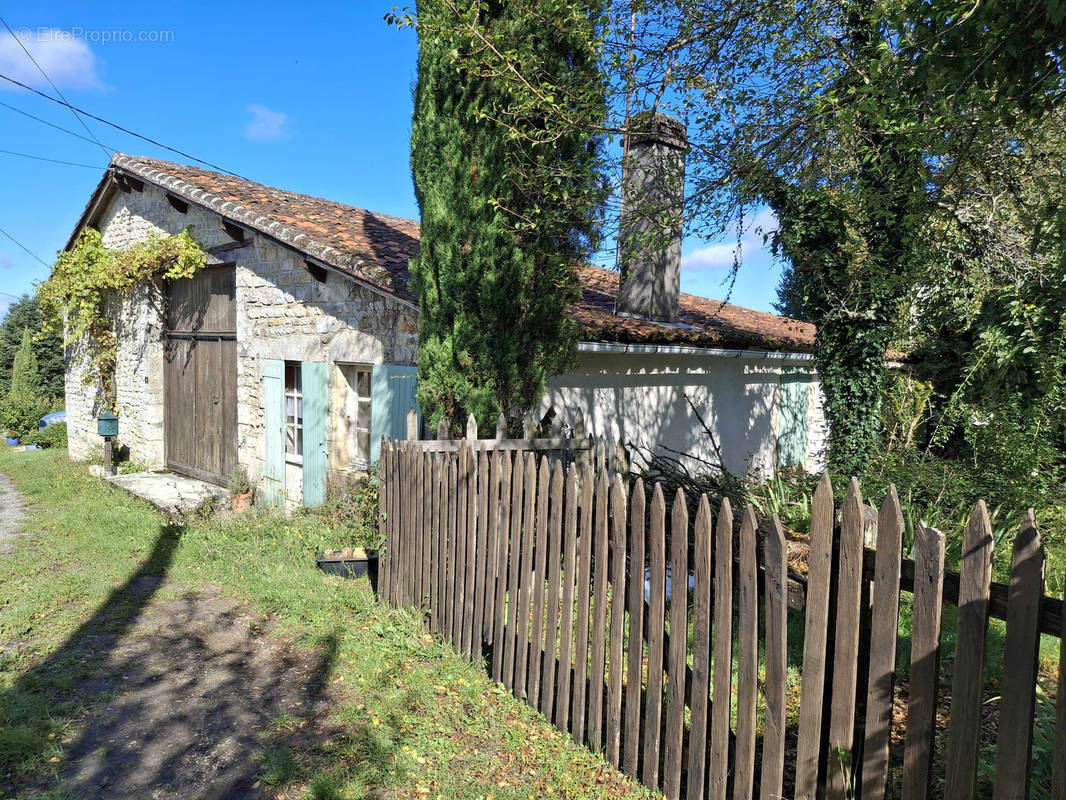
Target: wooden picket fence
point(562, 575)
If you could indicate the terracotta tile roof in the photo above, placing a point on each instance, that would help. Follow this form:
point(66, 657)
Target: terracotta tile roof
point(372, 247)
point(375, 248)
point(704, 322)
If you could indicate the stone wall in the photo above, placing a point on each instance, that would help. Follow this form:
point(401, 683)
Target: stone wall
point(282, 313)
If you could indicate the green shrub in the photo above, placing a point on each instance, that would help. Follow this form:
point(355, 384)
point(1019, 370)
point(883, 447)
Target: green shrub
point(20, 413)
point(52, 436)
point(351, 509)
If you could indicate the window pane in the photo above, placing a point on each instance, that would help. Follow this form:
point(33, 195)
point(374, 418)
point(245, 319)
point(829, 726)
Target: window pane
point(362, 449)
point(299, 441)
point(290, 439)
point(362, 384)
point(290, 407)
point(290, 376)
point(362, 417)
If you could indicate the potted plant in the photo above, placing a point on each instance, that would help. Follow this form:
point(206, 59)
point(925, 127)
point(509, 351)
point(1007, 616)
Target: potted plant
point(240, 489)
point(353, 508)
point(11, 436)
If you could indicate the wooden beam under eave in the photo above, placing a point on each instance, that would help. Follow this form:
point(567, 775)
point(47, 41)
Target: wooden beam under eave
point(235, 232)
point(177, 204)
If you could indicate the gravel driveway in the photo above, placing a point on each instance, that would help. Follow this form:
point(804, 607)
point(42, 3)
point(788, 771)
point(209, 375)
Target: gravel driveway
point(11, 515)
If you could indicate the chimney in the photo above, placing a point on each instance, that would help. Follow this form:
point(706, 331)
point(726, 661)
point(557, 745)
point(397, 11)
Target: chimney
point(653, 203)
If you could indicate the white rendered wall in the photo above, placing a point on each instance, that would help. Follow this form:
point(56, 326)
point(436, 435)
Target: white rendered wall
point(640, 400)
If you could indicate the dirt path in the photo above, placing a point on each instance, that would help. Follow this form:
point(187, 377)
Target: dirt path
point(187, 696)
point(11, 515)
point(192, 700)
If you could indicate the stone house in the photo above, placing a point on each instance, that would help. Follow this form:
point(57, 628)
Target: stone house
point(293, 352)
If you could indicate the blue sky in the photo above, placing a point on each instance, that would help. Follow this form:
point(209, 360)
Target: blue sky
point(311, 97)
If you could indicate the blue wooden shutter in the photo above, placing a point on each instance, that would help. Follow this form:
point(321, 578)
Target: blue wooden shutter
point(273, 488)
point(792, 417)
point(316, 393)
point(392, 395)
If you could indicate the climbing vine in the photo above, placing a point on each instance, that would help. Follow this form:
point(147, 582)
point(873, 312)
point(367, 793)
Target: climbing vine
point(75, 298)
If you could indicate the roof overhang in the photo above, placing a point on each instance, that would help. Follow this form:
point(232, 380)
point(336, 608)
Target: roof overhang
point(314, 253)
point(615, 348)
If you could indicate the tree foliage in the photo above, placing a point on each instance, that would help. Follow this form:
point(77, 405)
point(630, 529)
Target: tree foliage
point(88, 278)
point(912, 153)
point(24, 403)
point(509, 194)
point(891, 139)
point(47, 347)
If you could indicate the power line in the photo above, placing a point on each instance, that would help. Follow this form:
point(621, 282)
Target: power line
point(49, 124)
point(30, 252)
point(50, 160)
point(120, 128)
point(52, 84)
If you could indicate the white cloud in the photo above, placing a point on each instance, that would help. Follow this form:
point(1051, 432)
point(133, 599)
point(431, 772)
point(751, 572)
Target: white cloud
point(713, 256)
point(67, 60)
point(266, 125)
point(720, 255)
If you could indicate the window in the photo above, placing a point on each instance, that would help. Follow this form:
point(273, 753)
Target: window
point(294, 410)
point(357, 413)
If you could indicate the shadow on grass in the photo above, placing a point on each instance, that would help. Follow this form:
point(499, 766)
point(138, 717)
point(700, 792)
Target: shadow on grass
point(36, 708)
point(187, 698)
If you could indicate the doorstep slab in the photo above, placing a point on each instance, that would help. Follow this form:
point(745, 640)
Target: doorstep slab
point(172, 494)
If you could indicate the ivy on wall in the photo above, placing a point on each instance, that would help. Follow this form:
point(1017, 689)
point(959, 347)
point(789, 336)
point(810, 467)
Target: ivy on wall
point(75, 298)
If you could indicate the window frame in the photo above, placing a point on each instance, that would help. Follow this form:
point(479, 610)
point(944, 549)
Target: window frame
point(352, 402)
point(294, 423)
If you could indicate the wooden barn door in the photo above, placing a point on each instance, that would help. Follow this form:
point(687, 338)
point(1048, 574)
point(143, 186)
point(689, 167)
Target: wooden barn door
point(200, 401)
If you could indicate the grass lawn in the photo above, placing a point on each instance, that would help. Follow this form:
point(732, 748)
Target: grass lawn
point(415, 720)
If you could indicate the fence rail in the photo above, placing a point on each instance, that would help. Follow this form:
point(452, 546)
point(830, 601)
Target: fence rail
point(567, 578)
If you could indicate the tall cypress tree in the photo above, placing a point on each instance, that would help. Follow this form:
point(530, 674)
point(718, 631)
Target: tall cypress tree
point(25, 375)
point(48, 347)
point(510, 200)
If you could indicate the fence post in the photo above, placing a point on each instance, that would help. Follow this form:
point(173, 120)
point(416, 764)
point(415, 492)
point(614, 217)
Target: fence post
point(412, 425)
point(656, 628)
point(747, 657)
point(925, 661)
point(812, 693)
point(600, 546)
point(775, 562)
point(566, 625)
point(1021, 651)
point(722, 680)
point(584, 585)
point(701, 650)
point(618, 610)
point(846, 647)
point(383, 521)
point(884, 625)
point(975, 575)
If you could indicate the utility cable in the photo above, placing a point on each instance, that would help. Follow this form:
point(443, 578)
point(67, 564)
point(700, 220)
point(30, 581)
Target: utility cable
point(49, 124)
point(52, 84)
point(50, 160)
point(30, 252)
point(124, 130)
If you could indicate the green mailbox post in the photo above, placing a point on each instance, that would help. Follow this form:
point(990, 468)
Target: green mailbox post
point(107, 426)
